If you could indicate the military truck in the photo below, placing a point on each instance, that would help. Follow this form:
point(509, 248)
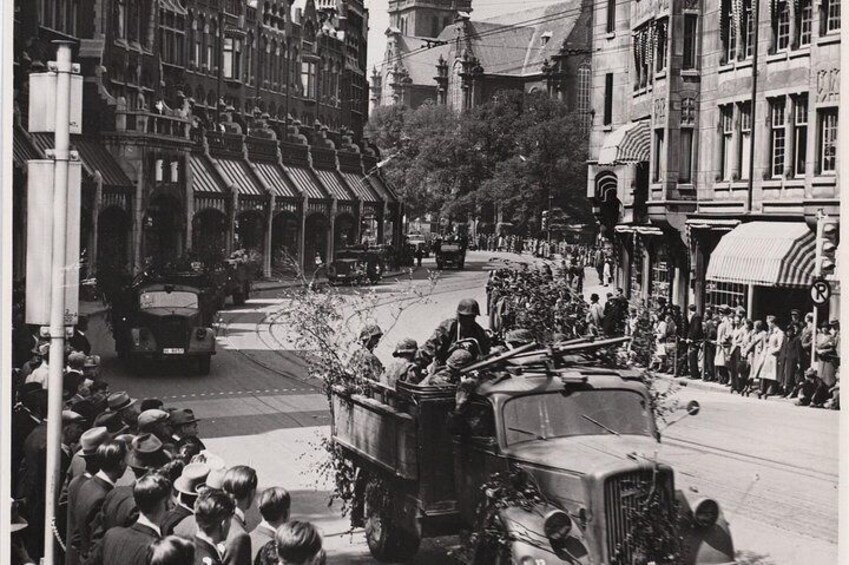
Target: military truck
point(585, 436)
point(166, 318)
point(451, 252)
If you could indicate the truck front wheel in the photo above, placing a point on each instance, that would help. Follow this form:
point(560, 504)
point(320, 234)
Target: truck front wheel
point(387, 540)
point(204, 364)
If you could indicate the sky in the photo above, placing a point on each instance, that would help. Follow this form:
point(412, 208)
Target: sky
point(483, 9)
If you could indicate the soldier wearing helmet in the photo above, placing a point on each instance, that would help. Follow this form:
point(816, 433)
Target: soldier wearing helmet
point(404, 368)
point(364, 363)
point(449, 374)
point(448, 333)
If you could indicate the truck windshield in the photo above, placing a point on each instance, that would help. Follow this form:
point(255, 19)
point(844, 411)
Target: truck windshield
point(576, 413)
point(162, 299)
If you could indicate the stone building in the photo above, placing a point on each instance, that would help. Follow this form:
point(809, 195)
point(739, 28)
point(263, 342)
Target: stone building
point(467, 61)
point(211, 126)
point(706, 193)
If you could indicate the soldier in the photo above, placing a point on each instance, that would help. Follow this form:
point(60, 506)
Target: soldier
point(450, 373)
point(518, 337)
point(405, 368)
point(364, 363)
point(438, 347)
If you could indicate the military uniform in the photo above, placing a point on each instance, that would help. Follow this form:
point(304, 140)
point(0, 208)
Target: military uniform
point(402, 370)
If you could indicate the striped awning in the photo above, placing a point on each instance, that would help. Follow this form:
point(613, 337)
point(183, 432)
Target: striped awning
point(765, 254)
point(305, 181)
point(333, 184)
point(22, 149)
point(237, 174)
point(273, 176)
point(94, 156)
point(629, 144)
point(380, 188)
point(361, 188)
point(204, 178)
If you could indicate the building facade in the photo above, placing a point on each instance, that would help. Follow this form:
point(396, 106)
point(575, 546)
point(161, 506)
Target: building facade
point(691, 157)
point(208, 126)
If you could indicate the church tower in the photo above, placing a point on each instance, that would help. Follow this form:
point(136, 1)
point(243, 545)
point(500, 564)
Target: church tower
point(425, 18)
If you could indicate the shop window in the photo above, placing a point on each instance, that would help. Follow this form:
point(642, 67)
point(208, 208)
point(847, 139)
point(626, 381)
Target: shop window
point(661, 277)
point(637, 258)
point(800, 134)
point(778, 136)
point(726, 116)
point(723, 293)
point(745, 144)
point(608, 99)
point(806, 22)
point(828, 140)
point(691, 37)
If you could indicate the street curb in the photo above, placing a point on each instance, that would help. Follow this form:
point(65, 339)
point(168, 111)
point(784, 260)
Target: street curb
point(685, 382)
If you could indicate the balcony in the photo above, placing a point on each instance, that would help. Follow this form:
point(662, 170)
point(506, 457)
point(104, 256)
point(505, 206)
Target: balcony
point(149, 123)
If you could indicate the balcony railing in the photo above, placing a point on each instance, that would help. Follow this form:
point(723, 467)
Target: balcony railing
point(154, 124)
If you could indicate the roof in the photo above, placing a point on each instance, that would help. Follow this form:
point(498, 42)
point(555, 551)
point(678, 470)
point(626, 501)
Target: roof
point(273, 176)
point(362, 189)
point(306, 182)
point(204, 178)
point(94, 156)
point(236, 173)
point(333, 184)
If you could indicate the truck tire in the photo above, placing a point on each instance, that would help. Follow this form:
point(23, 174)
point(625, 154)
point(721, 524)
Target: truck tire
point(204, 364)
point(387, 540)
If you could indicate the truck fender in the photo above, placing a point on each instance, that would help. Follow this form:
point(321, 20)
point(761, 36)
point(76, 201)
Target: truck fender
point(525, 530)
point(703, 546)
point(205, 344)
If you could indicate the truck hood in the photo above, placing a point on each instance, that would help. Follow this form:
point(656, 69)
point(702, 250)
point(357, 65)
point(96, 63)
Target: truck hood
point(163, 312)
point(596, 454)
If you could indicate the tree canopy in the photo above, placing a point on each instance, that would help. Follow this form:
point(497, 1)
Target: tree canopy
point(515, 151)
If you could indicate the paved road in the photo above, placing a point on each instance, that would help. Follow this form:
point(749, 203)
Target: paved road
point(771, 465)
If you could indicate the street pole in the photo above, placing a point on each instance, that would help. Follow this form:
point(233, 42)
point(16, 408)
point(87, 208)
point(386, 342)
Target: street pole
point(752, 128)
point(61, 157)
point(817, 275)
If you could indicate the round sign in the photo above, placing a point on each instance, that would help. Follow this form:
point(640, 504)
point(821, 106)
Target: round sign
point(820, 292)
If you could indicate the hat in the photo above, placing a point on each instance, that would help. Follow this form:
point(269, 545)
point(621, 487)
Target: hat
point(28, 388)
point(212, 460)
point(117, 401)
point(519, 336)
point(85, 409)
point(150, 417)
point(215, 479)
point(92, 362)
point(795, 311)
point(126, 439)
point(112, 421)
point(834, 323)
point(406, 345)
point(43, 348)
point(468, 307)
point(459, 358)
point(150, 404)
point(192, 478)
point(691, 307)
point(183, 416)
point(370, 331)
point(92, 439)
point(76, 360)
point(146, 452)
point(69, 417)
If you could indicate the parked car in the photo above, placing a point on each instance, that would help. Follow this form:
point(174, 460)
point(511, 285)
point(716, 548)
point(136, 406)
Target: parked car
point(585, 436)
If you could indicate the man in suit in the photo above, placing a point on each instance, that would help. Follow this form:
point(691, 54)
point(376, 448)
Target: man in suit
point(89, 500)
point(299, 543)
point(695, 335)
point(239, 482)
point(130, 545)
point(274, 504)
point(214, 511)
point(186, 488)
point(90, 441)
point(184, 424)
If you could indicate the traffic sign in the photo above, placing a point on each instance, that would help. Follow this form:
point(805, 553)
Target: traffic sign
point(820, 292)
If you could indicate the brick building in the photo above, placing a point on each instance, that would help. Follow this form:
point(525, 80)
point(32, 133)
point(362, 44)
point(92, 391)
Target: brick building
point(211, 125)
point(694, 210)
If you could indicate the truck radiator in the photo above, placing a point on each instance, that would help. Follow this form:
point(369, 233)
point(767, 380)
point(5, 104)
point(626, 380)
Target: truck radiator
point(173, 332)
point(624, 499)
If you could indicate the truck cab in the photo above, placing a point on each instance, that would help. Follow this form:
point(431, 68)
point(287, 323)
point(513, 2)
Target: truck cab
point(585, 438)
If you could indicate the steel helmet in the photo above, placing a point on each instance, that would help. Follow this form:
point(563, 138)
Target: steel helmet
point(459, 358)
point(369, 332)
point(468, 307)
point(405, 346)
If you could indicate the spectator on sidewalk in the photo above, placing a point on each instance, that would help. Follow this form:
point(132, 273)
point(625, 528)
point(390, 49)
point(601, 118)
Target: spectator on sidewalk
point(791, 357)
point(214, 511)
point(172, 550)
point(299, 543)
point(721, 359)
point(710, 328)
point(695, 336)
point(240, 482)
point(828, 360)
point(770, 367)
point(274, 506)
point(807, 336)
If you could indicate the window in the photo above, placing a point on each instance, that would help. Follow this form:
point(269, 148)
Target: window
point(806, 19)
point(828, 140)
point(207, 48)
point(745, 139)
point(211, 48)
point(800, 134)
point(608, 99)
point(120, 16)
point(611, 16)
point(691, 35)
point(732, 294)
point(831, 15)
point(584, 88)
point(658, 154)
point(777, 138)
point(781, 26)
point(228, 57)
point(660, 39)
point(685, 157)
point(249, 45)
point(308, 79)
point(726, 116)
point(748, 32)
point(434, 26)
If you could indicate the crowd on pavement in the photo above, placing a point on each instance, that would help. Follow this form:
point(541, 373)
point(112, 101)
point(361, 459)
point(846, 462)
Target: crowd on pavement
point(138, 485)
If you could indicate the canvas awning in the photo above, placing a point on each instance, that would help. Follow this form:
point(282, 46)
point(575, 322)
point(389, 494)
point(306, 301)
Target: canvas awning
point(629, 144)
point(305, 181)
point(363, 191)
point(274, 177)
point(712, 224)
point(237, 174)
point(22, 148)
point(333, 184)
point(642, 229)
point(94, 156)
point(775, 254)
point(380, 187)
point(204, 178)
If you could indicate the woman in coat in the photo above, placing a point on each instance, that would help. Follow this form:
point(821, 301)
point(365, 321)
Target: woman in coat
point(769, 366)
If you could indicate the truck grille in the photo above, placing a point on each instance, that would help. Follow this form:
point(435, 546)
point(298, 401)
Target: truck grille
point(173, 333)
point(623, 499)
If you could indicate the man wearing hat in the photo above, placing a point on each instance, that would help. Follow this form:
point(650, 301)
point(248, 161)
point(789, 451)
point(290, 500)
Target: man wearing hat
point(121, 403)
point(404, 368)
point(450, 373)
point(695, 335)
point(155, 422)
point(79, 341)
point(39, 349)
point(438, 347)
point(91, 367)
point(183, 425)
point(89, 442)
point(27, 414)
point(364, 363)
point(41, 373)
point(710, 325)
point(113, 423)
point(188, 485)
point(111, 456)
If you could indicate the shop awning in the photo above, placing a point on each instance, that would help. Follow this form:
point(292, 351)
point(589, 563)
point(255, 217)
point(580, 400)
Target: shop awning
point(333, 184)
point(237, 174)
point(642, 229)
point(274, 177)
point(22, 149)
point(204, 178)
point(363, 191)
point(305, 181)
point(765, 254)
point(712, 224)
point(380, 188)
point(94, 156)
point(629, 144)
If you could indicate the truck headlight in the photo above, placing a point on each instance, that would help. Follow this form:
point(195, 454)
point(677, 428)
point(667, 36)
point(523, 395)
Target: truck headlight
point(557, 525)
point(200, 333)
point(706, 513)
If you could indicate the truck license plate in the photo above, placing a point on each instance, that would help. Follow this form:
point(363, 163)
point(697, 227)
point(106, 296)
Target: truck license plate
point(173, 351)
